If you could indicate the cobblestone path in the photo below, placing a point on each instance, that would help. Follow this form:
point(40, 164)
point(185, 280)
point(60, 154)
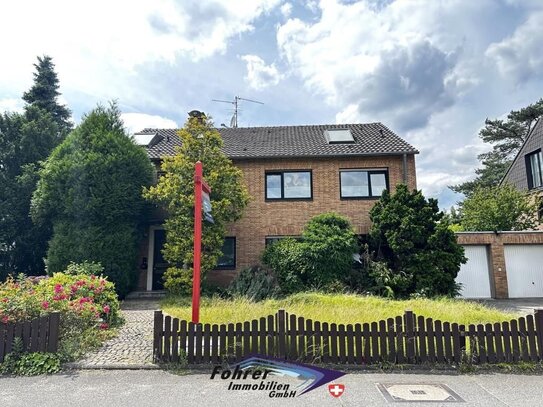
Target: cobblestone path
point(133, 347)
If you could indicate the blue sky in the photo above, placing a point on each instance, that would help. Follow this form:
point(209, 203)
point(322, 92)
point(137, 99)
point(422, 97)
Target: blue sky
point(430, 70)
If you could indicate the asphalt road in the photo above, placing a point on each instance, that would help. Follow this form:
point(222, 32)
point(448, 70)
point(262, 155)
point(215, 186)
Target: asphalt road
point(159, 388)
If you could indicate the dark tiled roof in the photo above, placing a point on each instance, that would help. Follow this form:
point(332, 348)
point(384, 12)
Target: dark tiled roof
point(293, 141)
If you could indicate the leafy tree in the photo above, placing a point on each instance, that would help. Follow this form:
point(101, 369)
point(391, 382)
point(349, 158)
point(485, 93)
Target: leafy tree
point(507, 136)
point(43, 94)
point(499, 208)
point(26, 139)
point(408, 234)
point(175, 191)
point(90, 190)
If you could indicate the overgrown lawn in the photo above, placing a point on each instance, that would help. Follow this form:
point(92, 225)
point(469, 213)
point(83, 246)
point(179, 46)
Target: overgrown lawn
point(338, 308)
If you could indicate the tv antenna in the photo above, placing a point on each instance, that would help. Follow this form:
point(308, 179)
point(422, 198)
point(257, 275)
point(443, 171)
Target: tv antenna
point(235, 102)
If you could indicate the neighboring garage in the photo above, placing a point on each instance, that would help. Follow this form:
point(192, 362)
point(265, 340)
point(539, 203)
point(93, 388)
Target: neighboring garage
point(502, 264)
point(475, 274)
point(524, 265)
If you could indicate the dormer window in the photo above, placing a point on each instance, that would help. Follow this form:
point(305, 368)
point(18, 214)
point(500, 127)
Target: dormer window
point(339, 136)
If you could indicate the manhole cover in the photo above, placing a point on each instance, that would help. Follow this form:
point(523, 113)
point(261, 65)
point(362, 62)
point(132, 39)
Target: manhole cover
point(398, 392)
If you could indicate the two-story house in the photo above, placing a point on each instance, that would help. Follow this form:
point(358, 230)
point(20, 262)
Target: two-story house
point(292, 173)
point(526, 171)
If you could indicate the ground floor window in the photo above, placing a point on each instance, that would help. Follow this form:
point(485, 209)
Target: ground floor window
point(274, 239)
point(228, 257)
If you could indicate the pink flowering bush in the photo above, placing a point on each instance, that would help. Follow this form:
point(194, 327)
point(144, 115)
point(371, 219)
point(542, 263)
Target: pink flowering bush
point(87, 297)
point(88, 305)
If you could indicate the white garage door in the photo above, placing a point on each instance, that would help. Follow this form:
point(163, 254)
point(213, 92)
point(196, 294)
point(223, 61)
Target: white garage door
point(524, 265)
point(474, 275)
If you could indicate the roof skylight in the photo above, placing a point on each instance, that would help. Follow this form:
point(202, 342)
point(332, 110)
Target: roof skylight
point(339, 136)
point(144, 140)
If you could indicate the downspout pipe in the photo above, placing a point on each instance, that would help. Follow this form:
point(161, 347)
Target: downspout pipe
point(404, 168)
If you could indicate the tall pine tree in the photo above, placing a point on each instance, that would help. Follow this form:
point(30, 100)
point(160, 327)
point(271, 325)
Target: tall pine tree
point(26, 139)
point(44, 93)
point(507, 137)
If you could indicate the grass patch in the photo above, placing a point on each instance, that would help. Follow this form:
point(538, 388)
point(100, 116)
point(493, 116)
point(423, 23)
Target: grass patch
point(338, 308)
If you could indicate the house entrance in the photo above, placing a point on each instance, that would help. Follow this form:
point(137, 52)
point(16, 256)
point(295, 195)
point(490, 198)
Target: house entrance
point(159, 264)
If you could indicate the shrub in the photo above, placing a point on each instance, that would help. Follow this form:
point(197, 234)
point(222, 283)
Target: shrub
point(256, 283)
point(409, 235)
point(86, 268)
point(328, 243)
point(29, 364)
point(286, 259)
point(321, 259)
point(115, 249)
point(88, 305)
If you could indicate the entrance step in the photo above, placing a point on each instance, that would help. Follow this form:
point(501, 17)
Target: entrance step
point(141, 295)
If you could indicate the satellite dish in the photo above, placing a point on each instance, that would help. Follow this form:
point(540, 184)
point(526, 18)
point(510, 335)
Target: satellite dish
point(233, 121)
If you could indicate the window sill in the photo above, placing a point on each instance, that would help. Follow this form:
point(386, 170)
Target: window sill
point(360, 198)
point(287, 199)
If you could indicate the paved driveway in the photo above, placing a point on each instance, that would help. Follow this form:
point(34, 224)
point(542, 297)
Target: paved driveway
point(521, 306)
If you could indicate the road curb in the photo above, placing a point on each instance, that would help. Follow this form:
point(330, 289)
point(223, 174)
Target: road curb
point(79, 366)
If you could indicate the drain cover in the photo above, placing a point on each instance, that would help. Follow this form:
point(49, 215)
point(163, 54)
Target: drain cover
point(398, 392)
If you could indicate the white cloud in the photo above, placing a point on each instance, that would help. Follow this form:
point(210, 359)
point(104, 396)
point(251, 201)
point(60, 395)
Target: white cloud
point(520, 54)
point(420, 67)
point(11, 105)
point(390, 60)
point(286, 9)
point(135, 122)
point(259, 75)
point(97, 46)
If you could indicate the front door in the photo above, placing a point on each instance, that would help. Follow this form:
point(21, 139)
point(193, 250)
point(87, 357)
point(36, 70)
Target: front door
point(159, 264)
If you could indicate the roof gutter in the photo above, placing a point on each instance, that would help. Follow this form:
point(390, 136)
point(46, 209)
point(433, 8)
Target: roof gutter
point(286, 157)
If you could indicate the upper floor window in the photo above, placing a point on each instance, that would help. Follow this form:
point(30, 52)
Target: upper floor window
point(289, 185)
point(362, 183)
point(534, 169)
point(228, 256)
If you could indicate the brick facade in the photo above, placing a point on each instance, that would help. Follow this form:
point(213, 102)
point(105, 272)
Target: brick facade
point(495, 243)
point(287, 218)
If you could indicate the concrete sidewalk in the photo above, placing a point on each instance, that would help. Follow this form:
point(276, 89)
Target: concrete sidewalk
point(159, 388)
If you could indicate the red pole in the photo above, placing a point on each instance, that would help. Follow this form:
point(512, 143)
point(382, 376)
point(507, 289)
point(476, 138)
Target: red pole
point(198, 174)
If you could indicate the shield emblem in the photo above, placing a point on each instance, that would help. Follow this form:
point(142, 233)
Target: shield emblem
point(336, 390)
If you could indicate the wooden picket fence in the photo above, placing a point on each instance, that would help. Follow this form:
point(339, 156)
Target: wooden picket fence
point(404, 339)
point(38, 335)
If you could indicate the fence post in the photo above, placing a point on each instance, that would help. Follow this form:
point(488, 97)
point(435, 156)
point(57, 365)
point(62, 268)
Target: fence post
point(538, 316)
point(54, 327)
point(409, 322)
point(281, 333)
point(157, 336)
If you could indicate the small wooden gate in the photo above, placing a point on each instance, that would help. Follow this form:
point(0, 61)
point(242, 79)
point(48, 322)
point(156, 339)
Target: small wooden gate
point(404, 339)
